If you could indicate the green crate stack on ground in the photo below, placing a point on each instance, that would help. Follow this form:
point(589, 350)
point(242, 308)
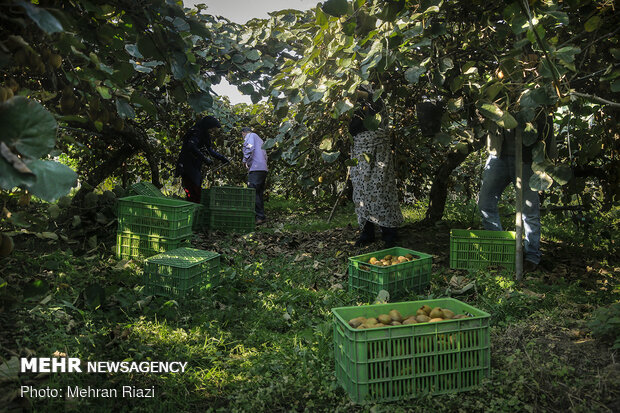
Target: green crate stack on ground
point(201, 218)
point(405, 361)
point(150, 225)
point(398, 280)
point(145, 188)
point(230, 209)
point(179, 272)
point(480, 249)
point(201, 215)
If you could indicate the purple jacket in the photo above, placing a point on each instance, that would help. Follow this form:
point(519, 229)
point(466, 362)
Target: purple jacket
point(254, 156)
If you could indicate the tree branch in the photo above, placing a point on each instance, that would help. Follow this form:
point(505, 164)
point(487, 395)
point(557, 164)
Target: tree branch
point(596, 99)
point(554, 71)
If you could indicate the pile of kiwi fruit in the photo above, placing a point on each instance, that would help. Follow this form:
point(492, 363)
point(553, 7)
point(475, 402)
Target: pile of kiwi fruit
point(424, 314)
point(388, 260)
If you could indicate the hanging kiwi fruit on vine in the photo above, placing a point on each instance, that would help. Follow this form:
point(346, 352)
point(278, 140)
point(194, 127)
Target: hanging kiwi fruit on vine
point(6, 245)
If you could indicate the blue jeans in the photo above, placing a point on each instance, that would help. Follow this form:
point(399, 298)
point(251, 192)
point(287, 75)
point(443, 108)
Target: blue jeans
point(498, 173)
point(256, 180)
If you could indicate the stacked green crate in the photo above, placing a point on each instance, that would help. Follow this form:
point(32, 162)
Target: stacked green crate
point(180, 271)
point(400, 279)
point(150, 225)
point(479, 249)
point(201, 215)
point(404, 361)
point(145, 188)
point(229, 209)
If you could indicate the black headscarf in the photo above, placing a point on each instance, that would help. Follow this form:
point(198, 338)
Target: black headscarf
point(207, 123)
point(366, 107)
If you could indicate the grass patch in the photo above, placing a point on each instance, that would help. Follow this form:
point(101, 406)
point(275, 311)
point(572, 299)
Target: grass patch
point(259, 336)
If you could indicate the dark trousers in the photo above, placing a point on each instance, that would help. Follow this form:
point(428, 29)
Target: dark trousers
point(388, 235)
point(192, 190)
point(256, 180)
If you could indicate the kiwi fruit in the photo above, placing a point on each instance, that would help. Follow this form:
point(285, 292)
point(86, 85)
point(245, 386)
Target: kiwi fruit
point(420, 312)
point(434, 320)
point(384, 318)
point(396, 316)
point(410, 320)
point(459, 316)
point(6, 245)
point(13, 85)
point(371, 320)
point(356, 322)
point(396, 323)
point(448, 314)
point(436, 313)
point(67, 100)
point(55, 60)
point(426, 309)
point(422, 319)
point(6, 93)
point(53, 211)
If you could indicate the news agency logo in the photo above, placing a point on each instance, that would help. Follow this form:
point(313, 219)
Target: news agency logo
point(74, 365)
point(50, 365)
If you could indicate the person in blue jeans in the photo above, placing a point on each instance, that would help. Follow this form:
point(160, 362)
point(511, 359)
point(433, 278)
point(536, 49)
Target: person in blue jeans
point(255, 159)
point(499, 172)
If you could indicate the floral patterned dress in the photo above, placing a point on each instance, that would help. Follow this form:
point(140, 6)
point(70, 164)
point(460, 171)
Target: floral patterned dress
point(374, 182)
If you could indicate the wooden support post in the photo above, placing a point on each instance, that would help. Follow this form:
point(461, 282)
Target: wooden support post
point(346, 183)
point(519, 203)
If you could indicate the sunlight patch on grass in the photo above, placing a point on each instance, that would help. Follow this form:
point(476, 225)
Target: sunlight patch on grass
point(415, 212)
point(504, 281)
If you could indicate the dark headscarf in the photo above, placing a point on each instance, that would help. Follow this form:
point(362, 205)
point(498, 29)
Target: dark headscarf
point(207, 123)
point(366, 107)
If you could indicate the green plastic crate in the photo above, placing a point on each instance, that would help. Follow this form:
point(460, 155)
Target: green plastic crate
point(231, 220)
point(201, 218)
point(232, 198)
point(397, 279)
point(179, 272)
point(153, 216)
point(155, 228)
point(130, 246)
point(479, 249)
point(401, 362)
point(145, 188)
point(204, 197)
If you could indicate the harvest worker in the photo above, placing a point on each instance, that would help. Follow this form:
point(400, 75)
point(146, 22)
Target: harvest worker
point(191, 158)
point(499, 171)
point(255, 159)
point(373, 178)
